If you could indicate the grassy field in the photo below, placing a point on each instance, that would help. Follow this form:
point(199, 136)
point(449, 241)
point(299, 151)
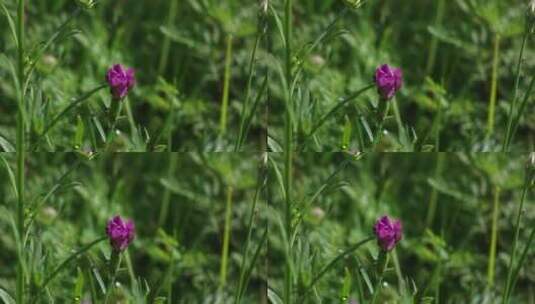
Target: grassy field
point(204, 151)
point(193, 214)
point(191, 60)
point(460, 63)
point(459, 214)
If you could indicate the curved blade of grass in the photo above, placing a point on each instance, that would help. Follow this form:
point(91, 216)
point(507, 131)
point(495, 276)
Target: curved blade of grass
point(57, 186)
point(226, 239)
point(334, 109)
point(226, 88)
point(508, 283)
point(6, 145)
point(248, 91)
point(333, 262)
point(11, 175)
point(73, 104)
point(273, 297)
point(521, 261)
point(242, 285)
point(6, 298)
point(328, 33)
point(66, 262)
point(278, 22)
point(252, 264)
point(249, 118)
point(11, 23)
point(521, 109)
point(48, 43)
point(508, 133)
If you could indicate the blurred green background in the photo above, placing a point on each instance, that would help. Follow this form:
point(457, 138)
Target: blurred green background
point(446, 49)
point(178, 51)
point(177, 202)
point(445, 202)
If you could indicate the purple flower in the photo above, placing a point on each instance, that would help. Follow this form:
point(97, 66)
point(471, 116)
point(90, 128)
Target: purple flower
point(388, 232)
point(120, 80)
point(121, 233)
point(388, 81)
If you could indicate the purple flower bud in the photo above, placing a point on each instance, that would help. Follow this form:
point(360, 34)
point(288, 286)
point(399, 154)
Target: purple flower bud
point(120, 80)
point(388, 81)
point(388, 232)
point(121, 233)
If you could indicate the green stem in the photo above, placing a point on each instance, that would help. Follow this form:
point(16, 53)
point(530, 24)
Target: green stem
point(383, 111)
point(252, 213)
point(65, 263)
point(522, 259)
point(401, 130)
point(226, 86)
point(226, 240)
point(288, 151)
point(133, 130)
point(506, 294)
point(507, 140)
point(67, 109)
point(383, 262)
point(243, 115)
point(431, 210)
point(245, 119)
point(521, 108)
point(164, 55)
point(115, 262)
point(115, 111)
point(494, 238)
point(493, 87)
point(434, 41)
point(335, 109)
point(21, 150)
point(167, 192)
point(333, 262)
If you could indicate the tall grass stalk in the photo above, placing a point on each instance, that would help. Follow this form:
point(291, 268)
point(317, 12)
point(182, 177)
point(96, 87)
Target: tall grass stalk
point(399, 274)
point(512, 106)
point(510, 277)
point(494, 238)
point(401, 129)
point(259, 34)
point(226, 240)
point(244, 273)
point(21, 150)
point(434, 192)
point(434, 40)
point(493, 87)
point(164, 54)
point(522, 107)
point(226, 86)
point(167, 192)
point(130, 116)
point(288, 150)
point(245, 106)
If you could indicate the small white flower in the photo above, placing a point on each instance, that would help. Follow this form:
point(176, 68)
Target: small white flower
point(532, 6)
